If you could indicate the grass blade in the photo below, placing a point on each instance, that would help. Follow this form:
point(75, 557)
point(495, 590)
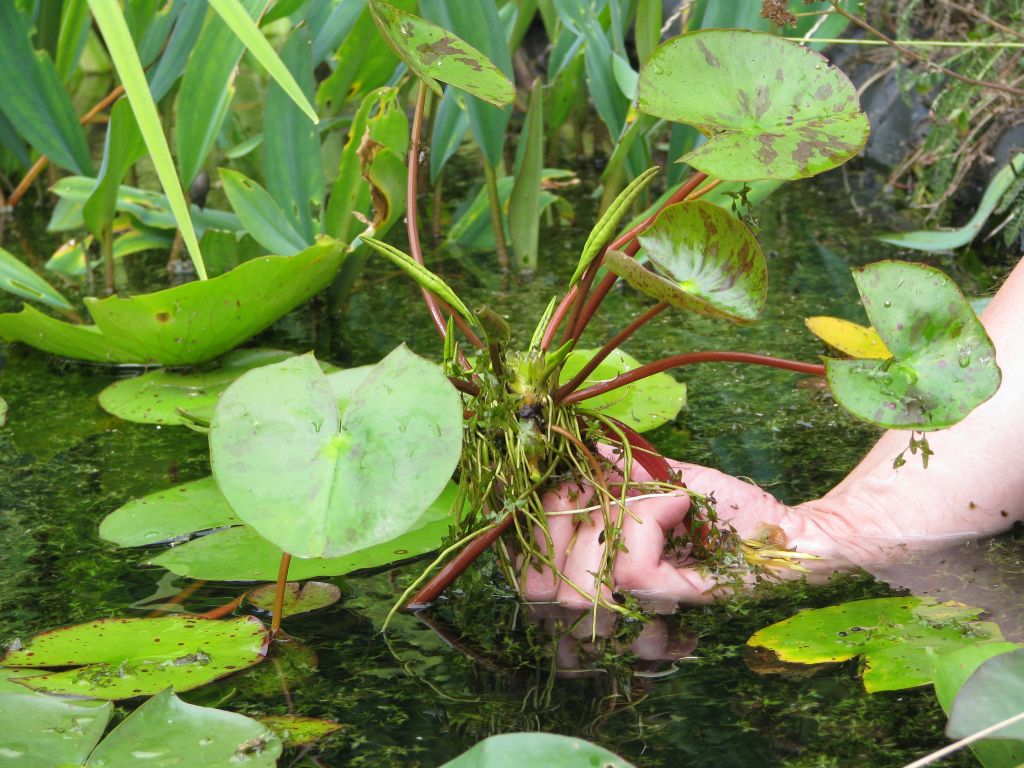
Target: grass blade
point(114, 29)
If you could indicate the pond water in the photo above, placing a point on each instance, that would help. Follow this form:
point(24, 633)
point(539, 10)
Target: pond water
point(478, 663)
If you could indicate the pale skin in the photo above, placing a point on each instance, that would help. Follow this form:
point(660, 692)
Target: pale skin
point(973, 487)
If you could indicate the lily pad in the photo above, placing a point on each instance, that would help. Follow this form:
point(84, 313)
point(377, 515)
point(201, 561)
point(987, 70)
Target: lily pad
point(319, 483)
point(165, 731)
point(298, 731)
point(525, 750)
point(994, 693)
point(849, 338)
point(164, 397)
point(188, 324)
point(943, 364)
point(311, 596)
point(169, 515)
point(124, 658)
point(897, 636)
point(710, 262)
point(645, 405)
point(771, 109)
point(238, 553)
point(433, 53)
point(42, 731)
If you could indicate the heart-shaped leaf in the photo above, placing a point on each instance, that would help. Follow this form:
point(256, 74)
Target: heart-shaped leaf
point(771, 109)
point(166, 731)
point(897, 636)
point(188, 324)
point(238, 553)
point(311, 596)
point(123, 658)
point(318, 483)
point(943, 364)
point(994, 693)
point(512, 750)
point(433, 53)
point(849, 338)
point(709, 261)
point(42, 731)
point(644, 405)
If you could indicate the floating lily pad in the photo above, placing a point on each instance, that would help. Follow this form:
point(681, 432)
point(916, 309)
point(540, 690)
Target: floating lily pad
point(298, 731)
point(645, 405)
point(433, 53)
point(994, 693)
point(165, 731)
point(298, 598)
point(897, 637)
point(168, 515)
point(238, 553)
point(849, 338)
point(43, 731)
point(123, 658)
point(710, 263)
point(943, 364)
point(771, 109)
point(319, 483)
point(525, 750)
point(188, 324)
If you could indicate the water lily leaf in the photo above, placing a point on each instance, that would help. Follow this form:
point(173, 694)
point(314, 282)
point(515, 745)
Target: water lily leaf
point(123, 658)
point(170, 514)
point(188, 324)
point(165, 731)
point(952, 670)
point(849, 338)
point(995, 692)
point(158, 397)
point(433, 53)
point(644, 405)
point(319, 483)
point(897, 637)
point(42, 731)
point(771, 109)
point(240, 554)
point(298, 598)
point(16, 277)
point(510, 750)
point(943, 364)
point(710, 263)
point(298, 731)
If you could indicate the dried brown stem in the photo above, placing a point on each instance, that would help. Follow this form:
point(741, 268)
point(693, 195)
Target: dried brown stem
point(282, 582)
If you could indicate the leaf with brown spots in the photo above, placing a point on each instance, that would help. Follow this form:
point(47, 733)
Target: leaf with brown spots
point(433, 53)
point(771, 109)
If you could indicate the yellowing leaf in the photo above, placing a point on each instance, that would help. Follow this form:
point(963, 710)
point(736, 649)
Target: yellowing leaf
point(849, 338)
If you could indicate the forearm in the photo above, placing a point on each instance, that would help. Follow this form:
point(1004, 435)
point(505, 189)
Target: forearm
point(974, 484)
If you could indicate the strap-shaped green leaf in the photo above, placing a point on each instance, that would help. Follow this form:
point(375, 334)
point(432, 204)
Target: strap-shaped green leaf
point(19, 279)
point(238, 19)
point(433, 53)
point(606, 225)
point(110, 19)
point(423, 276)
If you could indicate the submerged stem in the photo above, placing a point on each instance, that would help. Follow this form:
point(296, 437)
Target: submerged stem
point(688, 359)
point(282, 582)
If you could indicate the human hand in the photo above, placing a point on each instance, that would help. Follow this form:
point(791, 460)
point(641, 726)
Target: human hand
point(661, 582)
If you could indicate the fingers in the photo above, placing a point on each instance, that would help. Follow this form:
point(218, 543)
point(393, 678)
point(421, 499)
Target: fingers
point(541, 584)
point(583, 564)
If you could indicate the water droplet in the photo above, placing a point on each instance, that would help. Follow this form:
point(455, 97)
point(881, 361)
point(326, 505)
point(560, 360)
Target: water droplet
point(205, 742)
point(887, 304)
point(964, 358)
